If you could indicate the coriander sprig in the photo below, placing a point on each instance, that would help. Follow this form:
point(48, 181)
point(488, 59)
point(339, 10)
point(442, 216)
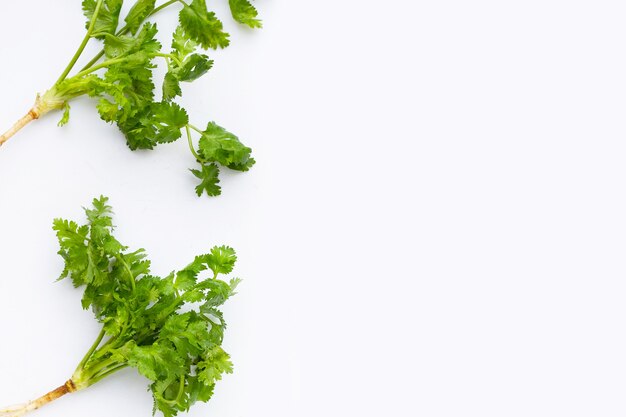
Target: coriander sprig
point(120, 77)
point(169, 329)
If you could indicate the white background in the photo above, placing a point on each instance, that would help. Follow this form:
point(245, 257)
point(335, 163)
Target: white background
point(435, 227)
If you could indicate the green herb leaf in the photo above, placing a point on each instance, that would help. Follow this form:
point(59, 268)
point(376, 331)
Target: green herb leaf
point(194, 67)
point(171, 87)
point(203, 26)
point(66, 115)
point(221, 260)
point(209, 180)
point(169, 119)
point(244, 12)
point(182, 44)
point(138, 13)
point(219, 145)
point(107, 19)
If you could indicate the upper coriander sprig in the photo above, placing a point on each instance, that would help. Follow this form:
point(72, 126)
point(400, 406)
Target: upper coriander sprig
point(120, 77)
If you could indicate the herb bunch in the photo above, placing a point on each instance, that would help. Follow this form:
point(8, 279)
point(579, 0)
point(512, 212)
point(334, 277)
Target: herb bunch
point(170, 329)
point(120, 78)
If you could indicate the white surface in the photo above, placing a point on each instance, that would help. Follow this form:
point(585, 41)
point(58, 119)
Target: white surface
point(435, 226)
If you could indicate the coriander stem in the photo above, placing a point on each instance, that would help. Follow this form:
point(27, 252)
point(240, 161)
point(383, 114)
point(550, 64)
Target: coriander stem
point(92, 349)
point(164, 5)
point(94, 60)
point(181, 391)
point(169, 56)
point(99, 66)
point(193, 150)
point(100, 376)
point(33, 114)
point(95, 369)
point(83, 44)
point(196, 129)
point(130, 273)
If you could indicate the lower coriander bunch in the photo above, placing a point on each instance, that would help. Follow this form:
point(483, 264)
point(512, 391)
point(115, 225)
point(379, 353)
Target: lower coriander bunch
point(170, 329)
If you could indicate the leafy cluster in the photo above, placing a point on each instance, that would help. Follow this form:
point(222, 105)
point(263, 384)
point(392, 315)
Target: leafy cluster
point(170, 329)
point(121, 79)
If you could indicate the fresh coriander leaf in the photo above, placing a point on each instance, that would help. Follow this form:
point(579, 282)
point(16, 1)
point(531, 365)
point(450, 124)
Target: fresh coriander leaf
point(107, 19)
point(199, 391)
point(221, 260)
point(107, 110)
point(219, 145)
point(156, 361)
point(144, 43)
point(187, 278)
point(171, 87)
point(218, 291)
point(244, 12)
point(209, 180)
point(138, 13)
point(182, 45)
point(194, 67)
point(73, 249)
point(217, 362)
point(203, 26)
point(66, 114)
point(169, 119)
point(116, 46)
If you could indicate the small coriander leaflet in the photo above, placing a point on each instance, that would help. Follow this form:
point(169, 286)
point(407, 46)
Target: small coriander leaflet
point(244, 12)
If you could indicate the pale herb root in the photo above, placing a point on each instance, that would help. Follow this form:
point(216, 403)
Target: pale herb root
point(43, 104)
point(33, 114)
point(20, 410)
point(89, 371)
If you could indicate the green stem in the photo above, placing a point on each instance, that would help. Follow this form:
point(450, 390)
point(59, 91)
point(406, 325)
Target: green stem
point(164, 5)
point(180, 300)
point(105, 348)
point(117, 61)
point(83, 44)
point(92, 349)
point(93, 61)
point(169, 56)
point(95, 369)
point(190, 141)
point(125, 30)
point(99, 377)
point(181, 391)
point(99, 66)
point(181, 388)
point(113, 342)
point(196, 129)
point(130, 273)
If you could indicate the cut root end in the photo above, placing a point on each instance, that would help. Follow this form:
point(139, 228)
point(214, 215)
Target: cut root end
point(20, 410)
point(43, 104)
point(14, 411)
point(33, 114)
